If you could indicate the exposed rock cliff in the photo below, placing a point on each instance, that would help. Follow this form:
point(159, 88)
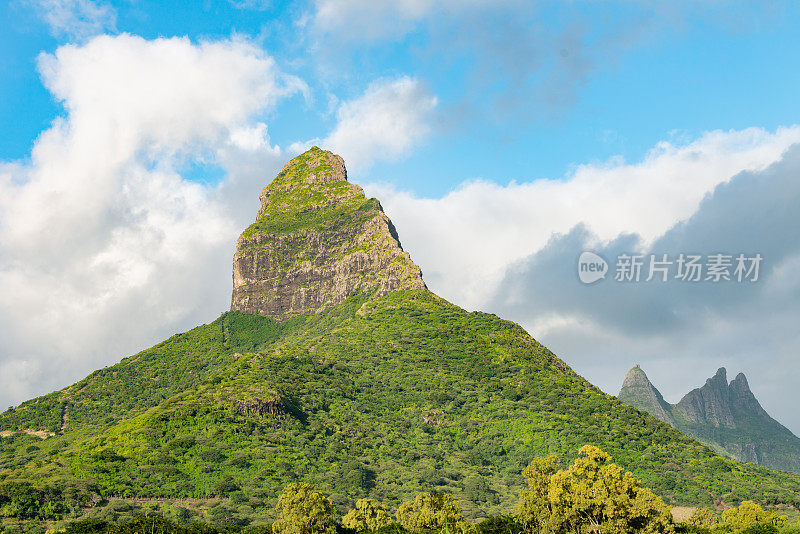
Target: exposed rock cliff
point(710, 404)
point(316, 240)
point(726, 417)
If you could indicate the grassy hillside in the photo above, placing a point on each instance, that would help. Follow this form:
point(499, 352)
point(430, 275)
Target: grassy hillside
point(375, 397)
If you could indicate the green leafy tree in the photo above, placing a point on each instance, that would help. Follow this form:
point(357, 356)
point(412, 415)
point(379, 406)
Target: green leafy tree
point(303, 510)
point(367, 515)
point(534, 511)
point(749, 514)
point(592, 495)
point(431, 511)
point(703, 518)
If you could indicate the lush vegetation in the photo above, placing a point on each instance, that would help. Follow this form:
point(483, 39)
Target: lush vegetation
point(377, 398)
point(591, 496)
point(294, 203)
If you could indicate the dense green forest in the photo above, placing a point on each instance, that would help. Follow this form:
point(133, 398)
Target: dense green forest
point(382, 398)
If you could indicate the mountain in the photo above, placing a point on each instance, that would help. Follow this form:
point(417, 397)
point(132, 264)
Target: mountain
point(336, 366)
point(317, 240)
point(726, 417)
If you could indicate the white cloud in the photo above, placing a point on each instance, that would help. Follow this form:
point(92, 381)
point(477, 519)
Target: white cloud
point(76, 19)
point(103, 245)
point(383, 123)
point(465, 241)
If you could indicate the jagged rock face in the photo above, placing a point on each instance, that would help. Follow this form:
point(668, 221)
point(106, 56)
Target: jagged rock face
point(726, 417)
point(711, 404)
point(316, 240)
point(637, 391)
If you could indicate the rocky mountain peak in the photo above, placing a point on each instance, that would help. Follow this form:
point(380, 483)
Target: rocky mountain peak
point(719, 380)
point(316, 240)
point(725, 416)
point(635, 377)
point(740, 383)
point(639, 392)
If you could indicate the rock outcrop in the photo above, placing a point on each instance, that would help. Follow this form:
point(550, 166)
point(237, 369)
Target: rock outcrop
point(725, 416)
point(316, 240)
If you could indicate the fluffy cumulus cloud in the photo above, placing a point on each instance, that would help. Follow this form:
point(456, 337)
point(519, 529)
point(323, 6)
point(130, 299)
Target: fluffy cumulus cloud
point(104, 246)
point(513, 250)
point(385, 122)
point(76, 19)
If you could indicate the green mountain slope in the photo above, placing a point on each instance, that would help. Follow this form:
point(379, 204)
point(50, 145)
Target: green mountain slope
point(380, 388)
point(726, 417)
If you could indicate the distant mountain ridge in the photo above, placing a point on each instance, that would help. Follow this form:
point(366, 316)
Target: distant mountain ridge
point(725, 416)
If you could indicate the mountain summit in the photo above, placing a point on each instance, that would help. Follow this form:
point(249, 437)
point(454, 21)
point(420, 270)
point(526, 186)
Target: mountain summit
point(725, 416)
point(637, 391)
point(316, 241)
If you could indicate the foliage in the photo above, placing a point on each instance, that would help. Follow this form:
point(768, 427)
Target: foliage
point(367, 515)
point(385, 398)
point(591, 495)
point(303, 510)
point(501, 524)
point(431, 511)
point(703, 518)
point(534, 511)
point(749, 514)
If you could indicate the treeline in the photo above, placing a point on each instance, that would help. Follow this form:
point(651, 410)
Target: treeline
point(592, 495)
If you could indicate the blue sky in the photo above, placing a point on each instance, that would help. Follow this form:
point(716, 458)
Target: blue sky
point(654, 75)
point(502, 137)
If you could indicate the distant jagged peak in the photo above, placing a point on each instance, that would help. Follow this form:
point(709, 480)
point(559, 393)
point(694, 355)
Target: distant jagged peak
point(317, 240)
point(635, 377)
point(740, 383)
point(720, 378)
point(639, 392)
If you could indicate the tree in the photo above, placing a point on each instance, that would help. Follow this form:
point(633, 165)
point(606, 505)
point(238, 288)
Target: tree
point(431, 511)
point(750, 514)
point(534, 512)
point(591, 495)
point(367, 515)
point(703, 518)
point(302, 510)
